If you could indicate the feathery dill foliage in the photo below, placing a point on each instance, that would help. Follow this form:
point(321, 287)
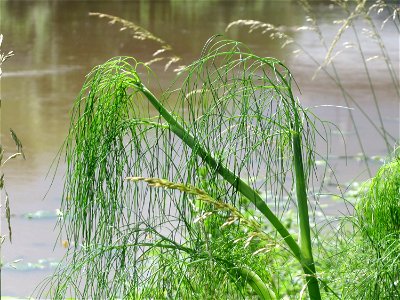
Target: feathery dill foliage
point(379, 207)
point(370, 264)
point(234, 130)
point(353, 12)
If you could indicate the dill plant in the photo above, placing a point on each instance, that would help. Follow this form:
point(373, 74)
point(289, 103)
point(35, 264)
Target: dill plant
point(228, 130)
point(378, 216)
point(369, 244)
point(379, 207)
point(165, 195)
point(362, 260)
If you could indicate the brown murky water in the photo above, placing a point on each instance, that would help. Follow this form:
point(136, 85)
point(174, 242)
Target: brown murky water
point(57, 43)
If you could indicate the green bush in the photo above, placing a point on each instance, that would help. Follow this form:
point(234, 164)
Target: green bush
point(379, 207)
point(370, 250)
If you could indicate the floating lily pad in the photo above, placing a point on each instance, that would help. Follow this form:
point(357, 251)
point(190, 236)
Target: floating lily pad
point(42, 214)
point(320, 163)
point(41, 264)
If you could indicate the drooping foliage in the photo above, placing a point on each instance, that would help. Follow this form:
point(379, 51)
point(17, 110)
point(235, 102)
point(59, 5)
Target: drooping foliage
point(229, 128)
point(369, 262)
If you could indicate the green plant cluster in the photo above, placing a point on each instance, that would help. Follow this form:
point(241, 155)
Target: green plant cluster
point(187, 193)
point(378, 219)
point(378, 208)
point(363, 259)
point(235, 118)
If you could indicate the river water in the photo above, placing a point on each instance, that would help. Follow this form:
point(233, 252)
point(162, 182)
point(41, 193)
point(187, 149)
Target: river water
point(56, 43)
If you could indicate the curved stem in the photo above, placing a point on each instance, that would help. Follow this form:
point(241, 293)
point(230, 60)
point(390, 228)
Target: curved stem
point(227, 174)
point(303, 254)
point(262, 290)
point(251, 277)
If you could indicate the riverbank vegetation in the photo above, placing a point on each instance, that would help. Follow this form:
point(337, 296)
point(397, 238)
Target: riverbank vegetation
point(211, 190)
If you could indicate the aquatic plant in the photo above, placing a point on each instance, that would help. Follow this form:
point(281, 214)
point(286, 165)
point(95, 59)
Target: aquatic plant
point(234, 131)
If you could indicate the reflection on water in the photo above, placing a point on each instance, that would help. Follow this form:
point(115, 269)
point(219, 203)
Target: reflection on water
point(56, 43)
point(33, 73)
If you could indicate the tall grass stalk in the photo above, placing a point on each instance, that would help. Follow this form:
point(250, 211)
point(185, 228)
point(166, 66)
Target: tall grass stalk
point(5, 158)
point(3, 58)
point(140, 33)
point(235, 130)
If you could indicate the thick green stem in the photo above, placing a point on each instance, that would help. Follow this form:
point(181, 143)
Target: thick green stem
point(305, 236)
point(307, 260)
point(262, 290)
